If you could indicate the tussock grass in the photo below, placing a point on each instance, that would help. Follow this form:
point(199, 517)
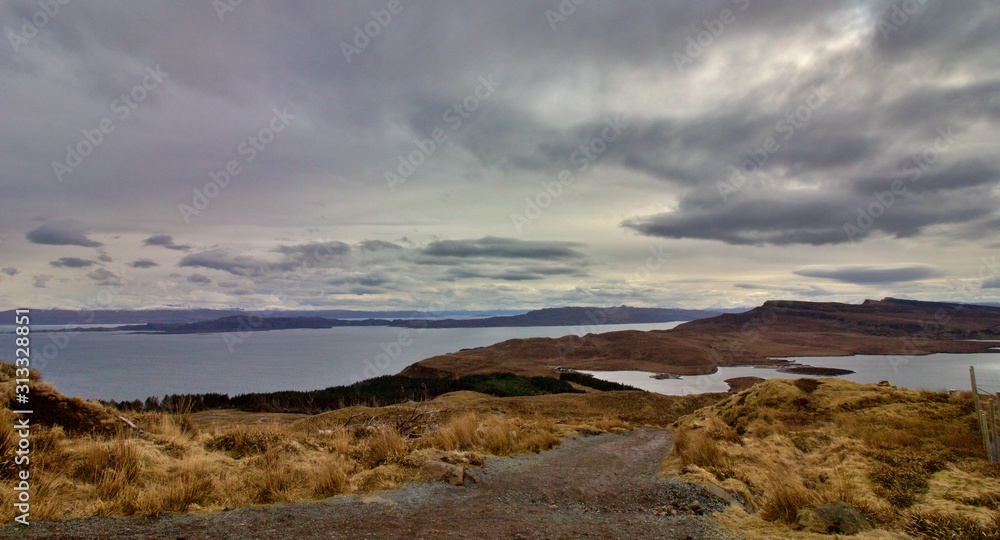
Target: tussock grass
point(384, 446)
point(460, 433)
point(910, 461)
point(332, 476)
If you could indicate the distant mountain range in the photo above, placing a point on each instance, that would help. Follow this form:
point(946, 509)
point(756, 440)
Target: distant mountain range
point(565, 316)
point(142, 316)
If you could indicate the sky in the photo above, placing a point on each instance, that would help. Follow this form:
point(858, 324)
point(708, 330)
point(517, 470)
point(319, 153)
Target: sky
point(497, 155)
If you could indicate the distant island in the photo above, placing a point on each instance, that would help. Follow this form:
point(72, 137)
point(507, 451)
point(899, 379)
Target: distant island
point(564, 316)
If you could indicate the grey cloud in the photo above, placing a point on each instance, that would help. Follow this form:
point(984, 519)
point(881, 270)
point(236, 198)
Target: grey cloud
point(10, 271)
point(143, 263)
point(104, 276)
point(811, 218)
point(199, 278)
point(991, 284)
point(316, 252)
point(62, 233)
point(167, 241)
point(867, 274)
point(557, 89)
point(72, 262)
point(936, 29)
point(972, 173)
point(294, 257)
point(378, 245)
point(225, 260)
point(40, 281)
point(503, 248)
point(366, 280)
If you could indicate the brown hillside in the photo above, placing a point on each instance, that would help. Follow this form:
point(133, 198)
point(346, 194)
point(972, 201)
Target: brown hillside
point(777, 328)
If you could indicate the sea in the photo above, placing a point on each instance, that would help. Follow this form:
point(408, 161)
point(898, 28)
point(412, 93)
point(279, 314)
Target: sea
point(126, 366)
point(937, 372)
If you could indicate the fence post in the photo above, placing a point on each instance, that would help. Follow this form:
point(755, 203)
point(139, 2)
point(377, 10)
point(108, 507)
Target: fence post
point(980, 417)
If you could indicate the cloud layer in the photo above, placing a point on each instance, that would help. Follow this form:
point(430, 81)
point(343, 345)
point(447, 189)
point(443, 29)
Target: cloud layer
point(497, 156)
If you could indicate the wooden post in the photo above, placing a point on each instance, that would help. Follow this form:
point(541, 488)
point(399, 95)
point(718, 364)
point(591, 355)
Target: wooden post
point(991, 435)
point(979, 415)
point(996, 428)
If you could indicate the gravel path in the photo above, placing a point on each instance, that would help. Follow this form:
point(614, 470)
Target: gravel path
point(605, 486)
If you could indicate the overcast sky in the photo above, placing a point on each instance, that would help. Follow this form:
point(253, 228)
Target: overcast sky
point(484, 154)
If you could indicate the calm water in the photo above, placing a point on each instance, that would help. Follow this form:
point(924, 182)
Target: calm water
point(933, 372)
point(118, 365)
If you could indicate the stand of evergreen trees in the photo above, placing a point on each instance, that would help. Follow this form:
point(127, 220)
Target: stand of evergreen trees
point(380, 391)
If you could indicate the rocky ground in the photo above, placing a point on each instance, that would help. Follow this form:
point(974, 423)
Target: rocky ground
point(605, 486)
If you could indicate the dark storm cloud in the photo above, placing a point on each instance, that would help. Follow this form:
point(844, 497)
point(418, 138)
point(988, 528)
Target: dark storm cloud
point(167, 241)
point(972, 173)
point(502, 248)
point(143, 263)
point(831, 216)
point(72, 262)
point(62, 233)
point(862, 274)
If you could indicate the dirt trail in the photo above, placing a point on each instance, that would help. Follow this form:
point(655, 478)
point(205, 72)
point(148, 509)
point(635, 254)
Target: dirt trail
point(605, 486)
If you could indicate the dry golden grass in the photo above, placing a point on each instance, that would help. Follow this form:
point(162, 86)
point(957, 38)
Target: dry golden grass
point(911, 462)
point(213, 460)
